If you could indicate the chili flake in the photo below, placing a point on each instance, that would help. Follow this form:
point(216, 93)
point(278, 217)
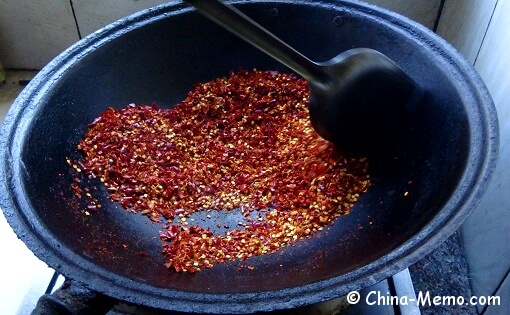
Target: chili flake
point(240, 142)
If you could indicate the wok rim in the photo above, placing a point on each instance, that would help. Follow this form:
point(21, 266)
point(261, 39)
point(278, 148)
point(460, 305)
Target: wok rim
point(23, 219)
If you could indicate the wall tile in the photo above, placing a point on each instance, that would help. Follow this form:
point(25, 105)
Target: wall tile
point(422, 11)
point(92, 15)
point(34, 32)
point(463, 24)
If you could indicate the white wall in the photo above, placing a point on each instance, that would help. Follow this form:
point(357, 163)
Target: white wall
point(464, 23)
point(33, 32)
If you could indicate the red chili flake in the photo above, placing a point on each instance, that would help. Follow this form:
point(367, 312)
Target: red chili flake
point(240, 142)
point(77, 190)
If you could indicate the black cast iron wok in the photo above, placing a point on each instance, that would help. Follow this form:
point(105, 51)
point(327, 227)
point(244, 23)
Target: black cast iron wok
point(423, 188)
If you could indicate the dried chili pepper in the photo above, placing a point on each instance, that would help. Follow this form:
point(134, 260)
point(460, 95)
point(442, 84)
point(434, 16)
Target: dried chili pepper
point(243, 141)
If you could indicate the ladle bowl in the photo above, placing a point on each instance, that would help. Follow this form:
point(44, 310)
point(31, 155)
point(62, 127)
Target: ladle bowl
point(346, 91)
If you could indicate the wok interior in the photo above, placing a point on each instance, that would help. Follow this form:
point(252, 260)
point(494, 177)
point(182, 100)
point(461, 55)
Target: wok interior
point(159, 63)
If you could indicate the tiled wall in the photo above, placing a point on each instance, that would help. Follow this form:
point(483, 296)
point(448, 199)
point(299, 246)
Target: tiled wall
point(464, 24)
point(34, 32)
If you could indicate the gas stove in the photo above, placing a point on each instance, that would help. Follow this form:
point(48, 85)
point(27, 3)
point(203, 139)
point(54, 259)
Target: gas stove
point(383, 298)
point(394, 295)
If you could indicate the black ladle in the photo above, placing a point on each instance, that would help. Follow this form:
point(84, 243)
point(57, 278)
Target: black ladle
point(359, 100)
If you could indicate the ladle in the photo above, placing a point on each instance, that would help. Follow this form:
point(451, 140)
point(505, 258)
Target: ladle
point(360, 100)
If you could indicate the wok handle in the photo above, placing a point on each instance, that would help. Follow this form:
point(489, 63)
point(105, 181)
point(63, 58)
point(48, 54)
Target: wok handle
point(73, 298)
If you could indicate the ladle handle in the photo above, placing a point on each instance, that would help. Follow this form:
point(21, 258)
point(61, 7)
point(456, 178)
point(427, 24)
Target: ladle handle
point(241, 25)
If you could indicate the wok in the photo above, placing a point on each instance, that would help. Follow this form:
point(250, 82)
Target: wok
point(425, 182)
